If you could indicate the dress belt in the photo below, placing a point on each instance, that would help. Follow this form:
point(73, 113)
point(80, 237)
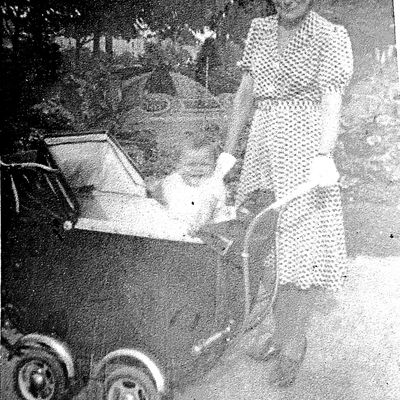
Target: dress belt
point(266, 104)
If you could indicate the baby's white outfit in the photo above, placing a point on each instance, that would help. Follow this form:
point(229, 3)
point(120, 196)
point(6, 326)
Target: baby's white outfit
point(185, 202)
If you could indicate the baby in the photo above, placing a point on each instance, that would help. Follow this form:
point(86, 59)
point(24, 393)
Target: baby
point(194, 193)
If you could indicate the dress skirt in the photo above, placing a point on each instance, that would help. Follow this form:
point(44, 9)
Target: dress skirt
point(310, 242)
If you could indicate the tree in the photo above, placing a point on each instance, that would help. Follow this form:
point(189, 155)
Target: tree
point(29, 60)
point(234, 23)
point(24, 20)
point(207, 60)
point(111, 18)
point(219, 56)
point(126, 18)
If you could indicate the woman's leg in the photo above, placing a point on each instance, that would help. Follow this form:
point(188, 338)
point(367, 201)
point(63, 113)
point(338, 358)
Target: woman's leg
point(293, 310)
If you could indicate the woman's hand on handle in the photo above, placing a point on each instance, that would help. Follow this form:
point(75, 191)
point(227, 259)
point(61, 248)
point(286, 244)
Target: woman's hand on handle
point(323, 171)
point(224, 164)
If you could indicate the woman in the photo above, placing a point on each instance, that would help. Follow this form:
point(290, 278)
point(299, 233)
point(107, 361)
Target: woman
point(296, 65)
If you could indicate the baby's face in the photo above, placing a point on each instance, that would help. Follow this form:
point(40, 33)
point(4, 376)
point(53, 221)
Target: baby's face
point(196, 165)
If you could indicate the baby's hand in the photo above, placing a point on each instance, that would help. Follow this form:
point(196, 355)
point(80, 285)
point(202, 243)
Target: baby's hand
point(224, 164)
point(323, 171)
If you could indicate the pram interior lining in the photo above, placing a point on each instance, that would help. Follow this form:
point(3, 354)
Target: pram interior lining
point(110, 191)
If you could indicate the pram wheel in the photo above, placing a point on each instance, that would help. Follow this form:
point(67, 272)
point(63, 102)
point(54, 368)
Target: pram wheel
point(129, 382)
point(39, 375)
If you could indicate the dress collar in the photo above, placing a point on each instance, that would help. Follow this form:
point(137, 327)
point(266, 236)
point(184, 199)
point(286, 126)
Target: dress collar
point(306, 30)
point(304, 34)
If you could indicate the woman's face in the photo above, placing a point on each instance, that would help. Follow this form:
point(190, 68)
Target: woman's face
point(291, 11)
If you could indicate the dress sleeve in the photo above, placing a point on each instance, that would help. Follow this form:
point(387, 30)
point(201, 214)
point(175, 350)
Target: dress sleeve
point(337, 61)
point(245, 64)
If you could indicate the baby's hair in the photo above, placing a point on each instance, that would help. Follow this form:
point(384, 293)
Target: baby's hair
point(199, 140)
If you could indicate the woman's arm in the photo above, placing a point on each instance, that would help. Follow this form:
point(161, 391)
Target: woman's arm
point(242, 106)
point(323, 170)
point(330, 121)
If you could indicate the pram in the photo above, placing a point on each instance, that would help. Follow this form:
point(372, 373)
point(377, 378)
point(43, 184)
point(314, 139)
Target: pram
point(108, 289)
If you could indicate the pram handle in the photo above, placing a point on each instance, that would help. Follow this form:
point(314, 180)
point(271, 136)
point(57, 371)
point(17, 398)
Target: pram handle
point(28, 165)
point(299, 191)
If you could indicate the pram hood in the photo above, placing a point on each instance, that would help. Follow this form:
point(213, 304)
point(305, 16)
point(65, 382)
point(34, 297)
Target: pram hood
point(95, 161)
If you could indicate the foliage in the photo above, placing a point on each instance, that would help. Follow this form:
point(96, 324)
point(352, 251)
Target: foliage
point(222, 53)
point(118, 18)
point(37, 22)
point(167, 52)
point(85, 96)
point(29, 62)
point(127, 18)
point(207, 60)
point(151, 159)
point(89, 93)
point(170, 19)
point(225, 77)
point(369, 152)
point(234, 23)
point(50, 115)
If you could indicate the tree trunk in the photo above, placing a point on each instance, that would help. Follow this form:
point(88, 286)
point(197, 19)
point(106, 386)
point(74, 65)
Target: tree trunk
point(396, 12)
point(96, 44)
point(15, 37)
point(78, 47)
point(2, 34)
point(109, 44)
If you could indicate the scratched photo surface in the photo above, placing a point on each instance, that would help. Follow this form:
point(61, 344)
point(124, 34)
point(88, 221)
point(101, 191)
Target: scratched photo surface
point(133, 265)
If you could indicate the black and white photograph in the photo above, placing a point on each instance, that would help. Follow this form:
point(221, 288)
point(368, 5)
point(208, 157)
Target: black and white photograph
point(200, 200)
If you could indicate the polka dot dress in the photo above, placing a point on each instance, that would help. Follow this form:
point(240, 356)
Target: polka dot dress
point(285, 137)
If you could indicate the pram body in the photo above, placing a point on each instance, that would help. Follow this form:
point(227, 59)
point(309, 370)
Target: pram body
point(130, 296)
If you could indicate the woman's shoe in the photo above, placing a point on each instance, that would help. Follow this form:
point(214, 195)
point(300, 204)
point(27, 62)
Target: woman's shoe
point(269, 351)
point(285, 372)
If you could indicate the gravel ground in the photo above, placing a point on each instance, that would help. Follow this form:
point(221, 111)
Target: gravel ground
point(353, 352)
